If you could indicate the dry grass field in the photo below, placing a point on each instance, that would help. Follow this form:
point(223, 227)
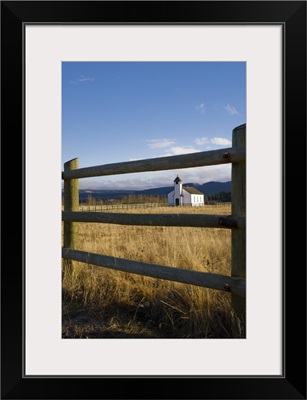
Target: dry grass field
point(102, 303)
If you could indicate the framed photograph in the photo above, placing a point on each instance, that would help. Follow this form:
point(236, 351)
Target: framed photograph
point(174, 79)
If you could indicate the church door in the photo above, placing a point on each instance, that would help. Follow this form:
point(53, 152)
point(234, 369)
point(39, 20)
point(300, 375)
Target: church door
point(177, 202)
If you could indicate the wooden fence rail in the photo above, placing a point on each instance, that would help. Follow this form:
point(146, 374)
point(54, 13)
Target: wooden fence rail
point(192, 220)
point(201, 159)
point(203, 279)
point(236, 283)
point(127, 206)
point(121, 206)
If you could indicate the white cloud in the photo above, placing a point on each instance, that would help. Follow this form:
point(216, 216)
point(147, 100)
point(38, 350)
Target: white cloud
point(201, 108)
point(218, 173)
point(216, 140)
point(82, 79)
point(201, 141)
point(154, 179)
point(220, 141)
point(176, 150)
point(160, 143)
point(231, 109)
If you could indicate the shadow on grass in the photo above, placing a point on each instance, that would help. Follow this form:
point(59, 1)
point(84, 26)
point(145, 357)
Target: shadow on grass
point(142, 319)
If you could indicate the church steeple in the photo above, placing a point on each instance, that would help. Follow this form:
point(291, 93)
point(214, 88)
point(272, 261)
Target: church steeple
point(177, 180)
point(178, 191)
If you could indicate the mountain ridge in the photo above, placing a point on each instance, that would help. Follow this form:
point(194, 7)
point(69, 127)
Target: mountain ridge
point(212, 187)
point(208, 188)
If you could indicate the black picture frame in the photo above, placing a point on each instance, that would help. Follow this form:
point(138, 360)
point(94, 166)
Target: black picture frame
point(292, 16)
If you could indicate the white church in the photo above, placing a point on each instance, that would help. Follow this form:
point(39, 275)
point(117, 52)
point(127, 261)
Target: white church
point(184, 195)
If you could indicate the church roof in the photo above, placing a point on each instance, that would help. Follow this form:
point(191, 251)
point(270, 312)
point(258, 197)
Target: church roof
point(191, 190)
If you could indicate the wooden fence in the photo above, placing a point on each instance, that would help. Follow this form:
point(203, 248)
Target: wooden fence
point(128, 206)
point(235, 284)
point(120, 206)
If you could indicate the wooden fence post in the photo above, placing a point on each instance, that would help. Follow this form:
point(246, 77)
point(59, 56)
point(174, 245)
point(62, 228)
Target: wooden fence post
point(238, 242)
point(71, 203)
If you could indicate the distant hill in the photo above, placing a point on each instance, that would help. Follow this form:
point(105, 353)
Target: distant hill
point(162, 191)
point(209, 188)
point(104, 194)
point(205, 188)
point(214, 187)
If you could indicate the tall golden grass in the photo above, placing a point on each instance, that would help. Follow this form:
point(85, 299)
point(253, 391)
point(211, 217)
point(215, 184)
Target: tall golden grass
point(101, 303)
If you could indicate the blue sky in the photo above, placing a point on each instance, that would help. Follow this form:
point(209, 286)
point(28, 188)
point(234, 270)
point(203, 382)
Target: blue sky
point(121, 111)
